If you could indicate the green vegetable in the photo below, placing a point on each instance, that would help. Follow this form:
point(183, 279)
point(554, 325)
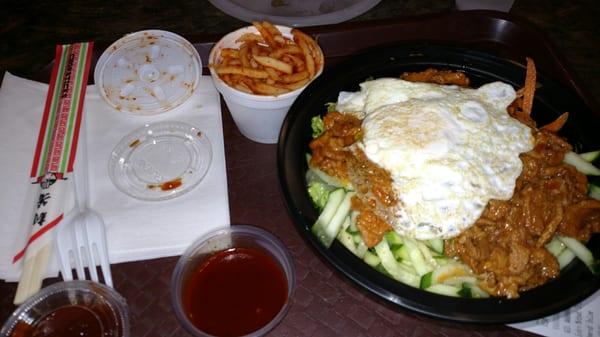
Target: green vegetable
point(555, 246)
point(314, 174)
point(319, 193)
point(590, 156)
point(444, 289)
point(581, 164)
point(465, 292)
point(400, 253)
point(335, 212)
point(594, 191)
point(582, 252)
point(397, 270)
point(321, 225)
point(371, 259)
point(437, 245)
point(419, 261)
point(331, 106)
point(316, 123)
point(426, 281)
point(565, 257)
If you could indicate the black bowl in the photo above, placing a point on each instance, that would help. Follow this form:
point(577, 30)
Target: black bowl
point(575, 282)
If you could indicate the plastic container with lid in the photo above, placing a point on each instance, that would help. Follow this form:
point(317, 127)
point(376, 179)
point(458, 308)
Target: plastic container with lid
point(73, 308)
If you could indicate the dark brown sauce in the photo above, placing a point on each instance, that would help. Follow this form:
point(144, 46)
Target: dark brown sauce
point(235, 292)
point(68, 321)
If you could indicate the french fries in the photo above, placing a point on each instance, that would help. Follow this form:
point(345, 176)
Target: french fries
point(269, 63)
point(273, 63)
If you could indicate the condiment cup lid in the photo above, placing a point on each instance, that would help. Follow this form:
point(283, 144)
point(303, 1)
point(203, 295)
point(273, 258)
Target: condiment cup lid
point(160, 161)
point(148, 72)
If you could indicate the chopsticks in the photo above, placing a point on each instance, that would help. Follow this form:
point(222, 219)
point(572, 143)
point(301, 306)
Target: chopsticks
point(53, 160)
point(32, 274)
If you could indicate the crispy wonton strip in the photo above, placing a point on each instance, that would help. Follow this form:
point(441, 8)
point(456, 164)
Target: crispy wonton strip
point(558, 123)
point(529, 88)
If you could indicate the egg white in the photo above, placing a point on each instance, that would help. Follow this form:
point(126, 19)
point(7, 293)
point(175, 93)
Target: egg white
point(449, 150)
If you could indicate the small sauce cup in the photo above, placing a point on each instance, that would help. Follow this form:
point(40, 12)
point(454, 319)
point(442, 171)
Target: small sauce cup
point(73, 308)
point(235, 281)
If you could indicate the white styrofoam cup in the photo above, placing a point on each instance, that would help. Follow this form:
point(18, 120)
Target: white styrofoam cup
point(258, 117)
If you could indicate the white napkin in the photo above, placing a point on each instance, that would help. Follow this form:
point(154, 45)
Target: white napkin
point(136, 230)
point(580, 320)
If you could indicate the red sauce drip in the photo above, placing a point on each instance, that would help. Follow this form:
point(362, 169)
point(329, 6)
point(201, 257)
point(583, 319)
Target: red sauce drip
point(167, 185)
point(235, 292)
point(68, 321)
point(170, 185)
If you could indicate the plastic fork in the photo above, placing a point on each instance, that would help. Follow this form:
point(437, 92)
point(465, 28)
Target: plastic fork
point(81, 237)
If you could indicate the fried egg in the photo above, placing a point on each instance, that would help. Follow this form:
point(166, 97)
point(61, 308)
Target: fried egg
point(449, 150)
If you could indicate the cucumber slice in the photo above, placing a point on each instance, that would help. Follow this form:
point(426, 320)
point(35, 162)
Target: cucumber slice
point(564, 258)
point(346, 238)
point(427, 253)
point(361, 249)
point(358, 243)
point(590, 156)
point(393, 238)
point(395, 269)
point(594, 191)
point(352, 229)
point(421, 265)
point(327, 179)
point(401, 254)
point(437, 245)
point(426, 281)
point(353, 220)
point(341, 214)
point(320, 228)
point(442, 260)
point(581, 164)
point(371, 259)
point(444, 289)
point(581, 251)
point(465, 291)
point(555, 246)
point(476, 292)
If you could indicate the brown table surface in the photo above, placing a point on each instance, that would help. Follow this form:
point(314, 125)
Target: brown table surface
point(324, 303)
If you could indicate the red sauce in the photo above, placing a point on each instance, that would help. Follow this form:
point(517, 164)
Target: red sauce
point(235, 292)
point(171, 185)
point(167, 185)
point(68, 321)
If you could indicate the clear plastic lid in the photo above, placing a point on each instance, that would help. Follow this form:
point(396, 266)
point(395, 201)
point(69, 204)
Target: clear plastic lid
point(148, 72)
point(296, 13)
point(160, 161)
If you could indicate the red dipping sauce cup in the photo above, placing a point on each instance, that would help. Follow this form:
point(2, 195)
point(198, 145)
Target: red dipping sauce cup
point(70, 309)
point(234, 281)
